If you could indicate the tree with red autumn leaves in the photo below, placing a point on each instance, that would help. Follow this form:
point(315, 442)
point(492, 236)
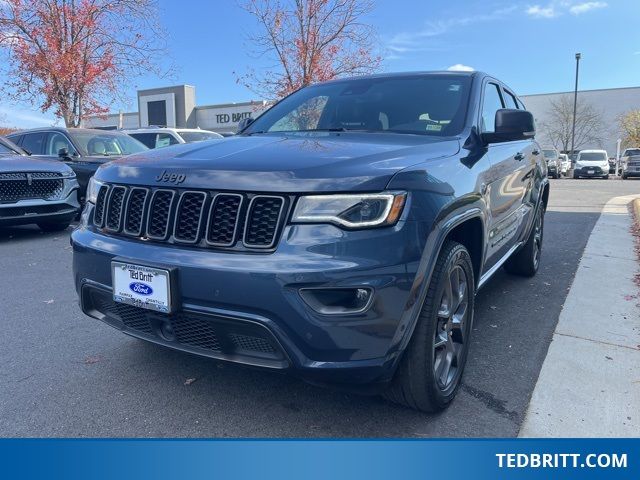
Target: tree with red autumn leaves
point(309, 41)
point(72, 56)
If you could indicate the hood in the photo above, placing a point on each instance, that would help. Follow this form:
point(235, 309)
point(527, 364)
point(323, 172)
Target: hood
point(21, 163)
point(294, 163)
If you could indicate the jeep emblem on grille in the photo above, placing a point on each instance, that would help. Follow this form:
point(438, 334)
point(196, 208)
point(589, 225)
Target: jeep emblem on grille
point(167, 177)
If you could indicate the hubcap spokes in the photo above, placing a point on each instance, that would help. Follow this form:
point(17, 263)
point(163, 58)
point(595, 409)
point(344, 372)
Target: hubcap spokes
point(537, 239)
point(450, 328)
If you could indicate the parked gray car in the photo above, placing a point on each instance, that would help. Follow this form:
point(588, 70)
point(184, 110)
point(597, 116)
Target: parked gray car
point(35, 190)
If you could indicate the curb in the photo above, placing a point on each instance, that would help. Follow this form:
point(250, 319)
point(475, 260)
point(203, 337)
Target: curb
point(635, 208)
point(588, 384)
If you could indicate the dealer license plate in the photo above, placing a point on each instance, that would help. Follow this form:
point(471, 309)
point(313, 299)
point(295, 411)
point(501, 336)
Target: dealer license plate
point(141, 286)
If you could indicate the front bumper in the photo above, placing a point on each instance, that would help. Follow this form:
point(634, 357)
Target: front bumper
point(260, 295)
point(631, 170)
point(591, 172)
point(24, 212)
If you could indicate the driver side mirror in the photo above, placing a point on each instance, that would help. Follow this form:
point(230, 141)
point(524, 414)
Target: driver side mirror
point(511, 125)
point(63, 153)
point(244, 123)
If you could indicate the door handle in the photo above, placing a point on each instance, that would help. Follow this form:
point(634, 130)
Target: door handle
point(518, 156)
point(536, 152)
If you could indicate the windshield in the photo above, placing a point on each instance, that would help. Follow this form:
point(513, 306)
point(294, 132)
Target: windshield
point(593, 156)
point(550, 153)
point(631, 151)
point(106, 144)
point(415, 104)
point(191, 137)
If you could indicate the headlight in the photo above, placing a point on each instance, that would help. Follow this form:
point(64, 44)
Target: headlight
point(69, 174)
point(92, 190)
point(552, 163)
point(351, 211)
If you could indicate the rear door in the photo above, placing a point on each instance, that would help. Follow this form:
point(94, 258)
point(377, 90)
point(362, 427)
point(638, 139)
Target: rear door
point(510, 179)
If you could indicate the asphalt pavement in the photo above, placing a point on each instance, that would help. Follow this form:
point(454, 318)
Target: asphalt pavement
point(64, 374)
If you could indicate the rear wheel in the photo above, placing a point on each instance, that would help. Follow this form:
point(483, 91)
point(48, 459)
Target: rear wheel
point(53, 226)
point(430, 371)
point(575, 175)
point(527, 260)
point(606, 177)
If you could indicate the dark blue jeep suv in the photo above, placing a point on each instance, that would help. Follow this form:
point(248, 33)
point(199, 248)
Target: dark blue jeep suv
point(342, 235)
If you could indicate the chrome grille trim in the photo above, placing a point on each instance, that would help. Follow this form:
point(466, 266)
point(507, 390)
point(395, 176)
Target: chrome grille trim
point(143, 213)
point(248, 218)
point(169, 214)
point(178, 212)
point(110, 206)
point(101, 206)
point(237, 222)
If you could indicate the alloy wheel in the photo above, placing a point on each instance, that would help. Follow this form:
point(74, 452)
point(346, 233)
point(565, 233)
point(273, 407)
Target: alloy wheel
point(537, 239)
point(450, 336)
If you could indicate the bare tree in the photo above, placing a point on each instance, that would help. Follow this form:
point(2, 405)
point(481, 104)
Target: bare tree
point(309, 41)
point(630, 127)
point(559, 124)
point(74, 56)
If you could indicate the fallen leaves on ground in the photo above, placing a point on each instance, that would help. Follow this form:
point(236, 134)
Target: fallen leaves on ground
point(189, 381)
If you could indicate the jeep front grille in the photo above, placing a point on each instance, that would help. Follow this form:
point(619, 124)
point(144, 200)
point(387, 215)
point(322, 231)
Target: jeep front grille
point(30, 185)
point(200, 218)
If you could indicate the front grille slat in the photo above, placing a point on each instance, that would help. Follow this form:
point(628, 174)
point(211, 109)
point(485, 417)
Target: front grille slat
point(134, 213)
point(189, 217)
point(115, 208)
point(222, 220)
point(101, 205)
point(18, 186)
point(222, 224)
point(159, 217)
point(263, 220)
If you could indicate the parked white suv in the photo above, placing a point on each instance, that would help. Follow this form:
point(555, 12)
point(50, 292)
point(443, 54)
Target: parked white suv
point(591, 163)
point(158, 137)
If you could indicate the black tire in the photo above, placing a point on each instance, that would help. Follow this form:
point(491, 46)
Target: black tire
point(606, 177)
point(525, 262)
point(575, 175)
point(624, 176)
point(431, 368)
point(53, 226)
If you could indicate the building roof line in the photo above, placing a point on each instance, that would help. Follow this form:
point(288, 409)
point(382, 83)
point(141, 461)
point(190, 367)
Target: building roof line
point(580, 91)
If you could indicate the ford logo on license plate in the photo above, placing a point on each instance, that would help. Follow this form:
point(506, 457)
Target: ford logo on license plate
point(140, 288)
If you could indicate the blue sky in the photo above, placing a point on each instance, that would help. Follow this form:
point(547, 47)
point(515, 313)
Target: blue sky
point(528, 44)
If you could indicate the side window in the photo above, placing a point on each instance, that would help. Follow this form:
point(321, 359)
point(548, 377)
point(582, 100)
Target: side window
point(34, 142)
point(520, 104)
point(165, 139)
point(491, 104)
point(510, 100)
point(57, 142)
point(148, 139)
point(17, 139)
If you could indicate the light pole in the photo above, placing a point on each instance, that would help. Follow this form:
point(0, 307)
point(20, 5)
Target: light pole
point(575, 105)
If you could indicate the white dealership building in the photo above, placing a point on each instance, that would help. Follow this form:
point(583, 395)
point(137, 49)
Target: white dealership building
point(176, 107)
